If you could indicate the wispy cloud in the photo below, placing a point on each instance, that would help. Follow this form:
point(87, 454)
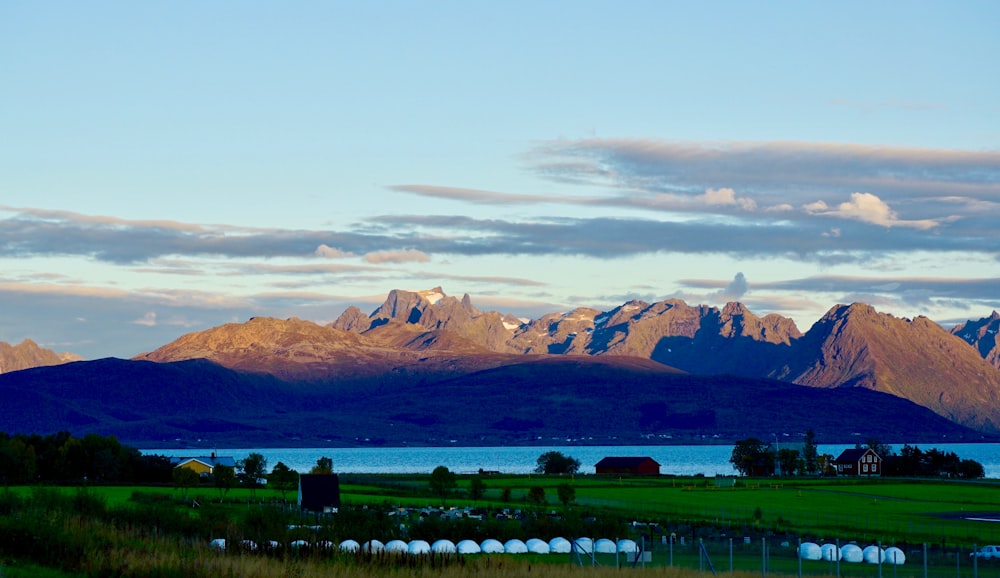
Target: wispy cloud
point(402, 256)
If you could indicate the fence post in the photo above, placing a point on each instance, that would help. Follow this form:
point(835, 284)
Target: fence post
point(975, 562)
point(763, 556)
point(838, 557)
point(730, 555)
point(879, 553)
point(925, 559)
point(798, 554)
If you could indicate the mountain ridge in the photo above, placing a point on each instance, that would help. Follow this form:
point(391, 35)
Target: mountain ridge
point(419, 348)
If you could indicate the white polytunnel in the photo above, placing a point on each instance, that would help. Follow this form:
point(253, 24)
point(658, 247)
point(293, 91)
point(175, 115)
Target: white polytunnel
point(418, 547)
point(873, 554)
point(583, 545)
point(468, 547)
point(626, 546)
point(830, 552)
point(810, 551)
point(851, 553)
point(894, 555)
point(536, 546)
point(605, 546)
point(491, 546)
point(373, 546)
point(559, 546)
point(397, 547)
point(443, 547)
point(514, 546)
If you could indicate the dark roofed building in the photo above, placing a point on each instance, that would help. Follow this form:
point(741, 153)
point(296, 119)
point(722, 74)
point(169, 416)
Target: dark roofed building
point(858, 462)
point(319, 492)
point(636, 466)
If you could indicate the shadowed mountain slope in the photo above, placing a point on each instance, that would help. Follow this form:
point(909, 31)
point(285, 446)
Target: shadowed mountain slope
point(540, 400)
point(855, 346)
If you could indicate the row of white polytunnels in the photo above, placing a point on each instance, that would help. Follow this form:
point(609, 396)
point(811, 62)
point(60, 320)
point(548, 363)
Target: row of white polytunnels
point(851, 553)
point(488, 546)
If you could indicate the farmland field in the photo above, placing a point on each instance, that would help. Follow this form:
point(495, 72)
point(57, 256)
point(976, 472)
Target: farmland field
point(750, 525)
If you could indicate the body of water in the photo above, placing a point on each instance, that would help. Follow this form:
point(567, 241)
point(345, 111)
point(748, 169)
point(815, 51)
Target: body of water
point(678, 460)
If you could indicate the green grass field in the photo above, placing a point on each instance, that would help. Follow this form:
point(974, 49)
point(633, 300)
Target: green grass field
point(734, 523)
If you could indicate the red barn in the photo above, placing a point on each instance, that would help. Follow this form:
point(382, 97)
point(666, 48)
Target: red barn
point(858, 462)
point(636, 466)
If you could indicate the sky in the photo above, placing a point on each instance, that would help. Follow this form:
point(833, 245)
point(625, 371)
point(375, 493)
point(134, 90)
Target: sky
point(167, 167)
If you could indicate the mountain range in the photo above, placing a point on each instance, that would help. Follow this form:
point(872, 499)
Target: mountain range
point(428, 368)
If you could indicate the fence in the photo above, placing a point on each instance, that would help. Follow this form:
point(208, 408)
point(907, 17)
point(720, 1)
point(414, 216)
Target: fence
point(770, 556)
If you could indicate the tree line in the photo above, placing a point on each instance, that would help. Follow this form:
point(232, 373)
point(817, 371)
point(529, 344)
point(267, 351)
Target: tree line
point(62, 458)
point(755, 457)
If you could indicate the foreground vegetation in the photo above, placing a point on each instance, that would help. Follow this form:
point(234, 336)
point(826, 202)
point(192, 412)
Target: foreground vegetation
point(160, 531)
point(92, 507)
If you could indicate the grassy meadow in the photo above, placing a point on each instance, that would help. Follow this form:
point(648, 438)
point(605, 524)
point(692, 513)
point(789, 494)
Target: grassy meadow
point(164, 531)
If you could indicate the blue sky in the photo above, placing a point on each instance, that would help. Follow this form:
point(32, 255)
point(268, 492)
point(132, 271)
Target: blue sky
point(169, 167)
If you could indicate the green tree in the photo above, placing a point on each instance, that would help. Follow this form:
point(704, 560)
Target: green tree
point(185, 479)
point(225, 479)
point(477, 488)
point(283, 478)
point(566, 493)
point(556, 463)
point(254, 469)
point(810, 453)
point(882, 450)
point(505, 494)
point(752, 457)
point(789, 461)
point(536, 495)
point(324, 465)
point(442, 482)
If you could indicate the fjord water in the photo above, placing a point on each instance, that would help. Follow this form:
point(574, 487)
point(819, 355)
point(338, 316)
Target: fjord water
point(709, 460)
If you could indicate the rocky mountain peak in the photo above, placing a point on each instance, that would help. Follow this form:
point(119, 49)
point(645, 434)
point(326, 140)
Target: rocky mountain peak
point(857, 346)
point(28, 354)
point(984, 336)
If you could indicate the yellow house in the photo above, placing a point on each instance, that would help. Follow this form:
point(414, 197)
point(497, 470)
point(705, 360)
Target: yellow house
point(204, 465)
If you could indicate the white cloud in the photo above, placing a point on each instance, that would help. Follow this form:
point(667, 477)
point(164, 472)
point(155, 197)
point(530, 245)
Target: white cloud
point(328, 252)
point(727, 196)
point(868, 208)
point(403, 256)
point(147, 320)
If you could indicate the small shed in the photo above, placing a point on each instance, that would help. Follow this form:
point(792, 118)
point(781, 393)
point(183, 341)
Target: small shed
point(858, 462)
point(636, 466)
point(319, 492)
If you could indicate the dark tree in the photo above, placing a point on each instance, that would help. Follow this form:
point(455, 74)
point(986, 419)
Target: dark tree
point(225, 479)
point(810, 454)
point(283, 478)
point(556, 463)
point(883, 450)
point(254, 469)
point(185, 479)
point(788, 459)
point(752, 457)
point(536, 495)
point(442, 482)
point(566, 493)
point(477, 488)
point(324, 465)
